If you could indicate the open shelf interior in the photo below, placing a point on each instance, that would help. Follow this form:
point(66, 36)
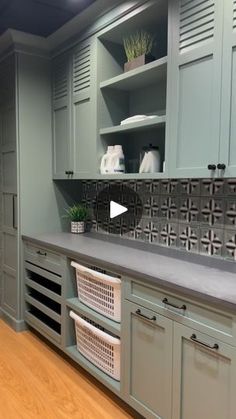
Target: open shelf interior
point(115, 106)
point(42, 317)
point(141, 91)
point(111, 54)
point(132, 144)
point(110, 325)
point(44, 282)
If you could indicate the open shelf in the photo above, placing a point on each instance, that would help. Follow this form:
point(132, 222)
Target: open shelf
point(92, 369)
point(140, 77)
point(135, 126)
point(105, 322)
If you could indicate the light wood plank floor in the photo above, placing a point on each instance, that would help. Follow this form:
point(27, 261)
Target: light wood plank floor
point(36, 382)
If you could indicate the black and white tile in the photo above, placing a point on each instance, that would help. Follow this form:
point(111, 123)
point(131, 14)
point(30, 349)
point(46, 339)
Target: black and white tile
point(195, 215)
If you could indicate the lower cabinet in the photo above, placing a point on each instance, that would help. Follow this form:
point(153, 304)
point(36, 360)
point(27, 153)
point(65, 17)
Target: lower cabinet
point(178, 359)
point(173, 371)
point(148, 361)
point(204, 376)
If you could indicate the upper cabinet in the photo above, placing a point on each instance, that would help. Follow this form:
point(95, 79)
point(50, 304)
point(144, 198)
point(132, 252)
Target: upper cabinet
point(228, 108)
point(188, 89)
point(61, 97)
point(74, 112)
point(83, 109)
point(195, 87)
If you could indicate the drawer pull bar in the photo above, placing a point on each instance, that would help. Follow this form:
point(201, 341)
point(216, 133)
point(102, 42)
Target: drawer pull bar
point(41, 253)
point(194, 339)
point(138, 312)
point(166, 302)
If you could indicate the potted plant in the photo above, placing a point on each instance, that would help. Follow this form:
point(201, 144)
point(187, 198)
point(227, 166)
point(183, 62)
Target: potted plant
point(138, 48)
point(77, 214)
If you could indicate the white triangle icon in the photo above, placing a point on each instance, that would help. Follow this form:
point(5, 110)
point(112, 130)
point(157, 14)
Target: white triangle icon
point(116, 209)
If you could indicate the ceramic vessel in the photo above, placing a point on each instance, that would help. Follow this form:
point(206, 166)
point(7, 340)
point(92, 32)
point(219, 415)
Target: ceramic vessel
point(77, 227)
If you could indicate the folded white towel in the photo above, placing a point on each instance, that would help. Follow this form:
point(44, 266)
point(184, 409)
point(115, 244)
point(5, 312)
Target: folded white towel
point(137, 118)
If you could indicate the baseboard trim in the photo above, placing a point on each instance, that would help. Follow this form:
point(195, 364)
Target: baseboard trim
point(17, 325)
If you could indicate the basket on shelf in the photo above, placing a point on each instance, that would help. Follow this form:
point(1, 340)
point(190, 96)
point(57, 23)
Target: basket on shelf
point(99, 291)
point(98, 346)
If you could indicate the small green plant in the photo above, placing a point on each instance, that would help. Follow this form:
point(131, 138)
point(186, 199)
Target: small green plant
point(77, 213)
point(139, 43)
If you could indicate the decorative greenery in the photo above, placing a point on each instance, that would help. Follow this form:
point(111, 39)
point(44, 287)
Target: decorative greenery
point(139, 43)
point(77, 213)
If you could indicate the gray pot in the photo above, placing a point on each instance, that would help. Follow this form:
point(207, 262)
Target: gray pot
point(77, 227)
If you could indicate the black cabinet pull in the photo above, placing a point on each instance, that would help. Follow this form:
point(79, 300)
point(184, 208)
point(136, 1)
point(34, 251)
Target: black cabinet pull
point(139, 313)
point(211, 167)
point(67, 172)
point(166, 302)
point(206, 345)
point(221, 166)
point(41, 253)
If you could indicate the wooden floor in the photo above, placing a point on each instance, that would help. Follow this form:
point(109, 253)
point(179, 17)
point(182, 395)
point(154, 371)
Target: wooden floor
point(36, 382)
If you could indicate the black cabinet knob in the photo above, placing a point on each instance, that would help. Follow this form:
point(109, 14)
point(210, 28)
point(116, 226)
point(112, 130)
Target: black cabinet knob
point(67, 172)
point(211, 167)
point(221, 166)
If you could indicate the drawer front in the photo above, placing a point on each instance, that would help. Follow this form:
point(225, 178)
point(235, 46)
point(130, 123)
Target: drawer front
point(191, 313)
point(43, 258)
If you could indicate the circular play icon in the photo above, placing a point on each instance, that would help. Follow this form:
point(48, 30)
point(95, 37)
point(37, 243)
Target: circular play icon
point(118, 209)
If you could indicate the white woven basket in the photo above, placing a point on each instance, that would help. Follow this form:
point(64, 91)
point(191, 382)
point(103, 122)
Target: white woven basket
point(99, 291)
point(102, 349)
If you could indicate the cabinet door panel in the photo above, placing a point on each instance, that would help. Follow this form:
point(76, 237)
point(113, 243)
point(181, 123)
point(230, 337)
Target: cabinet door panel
point(9, 179)
point(204, 379)
point(228, 121)
point(195, 116)
point(148, 352)
point(10, 250)
point(8, 128)
point(61, 141)
point(195, 86)
point(83, 138)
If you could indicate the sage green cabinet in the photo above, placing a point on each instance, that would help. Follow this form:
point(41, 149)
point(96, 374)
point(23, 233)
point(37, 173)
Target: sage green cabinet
point(228, 120)
point(195, 87)
point(61, 96)
point(8, 136)
point(204, 379)
point(148, 361)
point(74, 129)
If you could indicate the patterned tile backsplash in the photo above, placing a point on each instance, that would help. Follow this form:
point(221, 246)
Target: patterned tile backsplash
point(194, 215)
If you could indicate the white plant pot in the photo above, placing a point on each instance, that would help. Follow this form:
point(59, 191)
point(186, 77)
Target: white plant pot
point(77, 227)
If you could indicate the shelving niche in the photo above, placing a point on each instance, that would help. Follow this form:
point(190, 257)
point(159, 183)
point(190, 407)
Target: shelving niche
point(139, 91)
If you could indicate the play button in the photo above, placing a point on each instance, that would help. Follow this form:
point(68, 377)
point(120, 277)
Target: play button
point(116, 209)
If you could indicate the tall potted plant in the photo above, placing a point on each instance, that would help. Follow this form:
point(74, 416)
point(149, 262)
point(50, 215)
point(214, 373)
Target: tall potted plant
point(138, 48)
point(78, 215)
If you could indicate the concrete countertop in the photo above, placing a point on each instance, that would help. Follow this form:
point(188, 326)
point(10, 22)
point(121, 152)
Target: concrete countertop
point(216, 285)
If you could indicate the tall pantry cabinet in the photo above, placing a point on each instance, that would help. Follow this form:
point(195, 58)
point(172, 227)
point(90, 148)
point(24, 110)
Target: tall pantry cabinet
point(28, 198)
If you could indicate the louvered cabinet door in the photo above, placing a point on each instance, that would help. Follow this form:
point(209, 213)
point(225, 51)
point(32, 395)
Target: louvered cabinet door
point(61, 98)
point(195, 85)
point(83, 112)
point(228, 117)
